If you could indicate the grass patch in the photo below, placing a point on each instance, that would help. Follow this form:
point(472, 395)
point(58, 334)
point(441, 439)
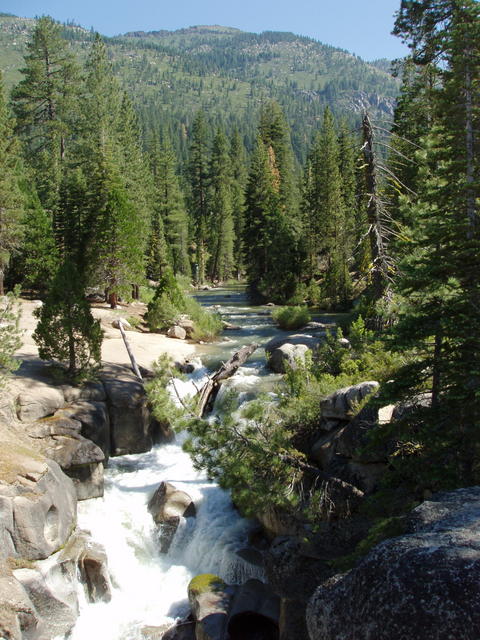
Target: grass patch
point(291, 317)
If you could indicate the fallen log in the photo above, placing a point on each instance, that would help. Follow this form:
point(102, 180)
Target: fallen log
point(135, 368)
point(208, 393)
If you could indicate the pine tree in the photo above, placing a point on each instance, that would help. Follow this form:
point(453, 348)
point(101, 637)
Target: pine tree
point(169, 212)
point(199, 211)
point(325, 217)
point(441, 282)
point(222, 225)
point(114, 211)
point(11, 201)
point(238, 165)
point(44, 103)
point(66, 331)
point(271, 220)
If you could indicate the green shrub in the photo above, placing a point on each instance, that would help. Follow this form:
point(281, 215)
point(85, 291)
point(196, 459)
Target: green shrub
point(207, 325)
point(291, 317)
point(170, 302)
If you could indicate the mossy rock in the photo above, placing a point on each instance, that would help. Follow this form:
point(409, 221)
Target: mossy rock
point(205, 582)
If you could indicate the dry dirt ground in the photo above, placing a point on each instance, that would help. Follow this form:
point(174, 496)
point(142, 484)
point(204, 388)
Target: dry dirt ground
point(147, 347)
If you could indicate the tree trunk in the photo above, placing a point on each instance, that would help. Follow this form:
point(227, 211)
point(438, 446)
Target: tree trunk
point(375, 233)
point(208, 393)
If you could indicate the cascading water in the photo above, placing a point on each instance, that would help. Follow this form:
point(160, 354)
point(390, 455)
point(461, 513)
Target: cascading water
point(149, 588)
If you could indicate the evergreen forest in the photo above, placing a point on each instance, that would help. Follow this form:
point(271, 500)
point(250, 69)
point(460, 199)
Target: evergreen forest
point(285, 183)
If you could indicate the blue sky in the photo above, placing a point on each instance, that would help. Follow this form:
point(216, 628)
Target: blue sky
point(360, 26)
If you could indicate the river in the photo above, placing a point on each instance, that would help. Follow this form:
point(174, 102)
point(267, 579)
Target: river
point(150, 588)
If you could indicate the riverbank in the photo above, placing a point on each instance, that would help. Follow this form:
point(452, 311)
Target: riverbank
point(147, 347)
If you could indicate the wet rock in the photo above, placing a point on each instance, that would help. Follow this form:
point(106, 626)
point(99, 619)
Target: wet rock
point(59, 438)
point(425, 581)
point(345, 403)
point(210, 599)
point(183, 630)
point(177, 332)
point(130, 420)
point(167, 506)
point(228, 326)
point(185, 367)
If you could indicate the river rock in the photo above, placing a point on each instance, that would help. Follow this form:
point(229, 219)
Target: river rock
point(177, 332)
point(210, 600)
point(167, 505)
point(345, 403)
point(130, 420)
point(37, 504)
point(90, 559)
point(297, 338)
point(287, 356)
point(187, 324)
point(423, 584)
point(59, 438)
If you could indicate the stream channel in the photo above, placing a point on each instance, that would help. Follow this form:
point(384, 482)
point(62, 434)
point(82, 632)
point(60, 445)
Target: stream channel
point(150, 588)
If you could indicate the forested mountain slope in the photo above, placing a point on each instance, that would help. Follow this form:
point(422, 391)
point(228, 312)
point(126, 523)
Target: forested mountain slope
point(227, 72)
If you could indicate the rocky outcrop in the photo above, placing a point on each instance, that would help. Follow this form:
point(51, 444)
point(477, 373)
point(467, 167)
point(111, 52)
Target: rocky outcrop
point(59, 439)
point(94, 420)
point(130, 419)
point(423, 584)
point(167, 506)
point(52, 584)
point(37, 504)
point(346, 402)
point(18, 616)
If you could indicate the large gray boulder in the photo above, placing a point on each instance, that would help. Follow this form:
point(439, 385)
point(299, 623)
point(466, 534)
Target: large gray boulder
point(59, 439)
point(287, 355)
point(345, 403)
point(130, 420)
point(177, 332)
point(305, 339)
point(38, 504)
point(38, 401)
point(53, 584)
point(167, 506)
point(423, 584)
